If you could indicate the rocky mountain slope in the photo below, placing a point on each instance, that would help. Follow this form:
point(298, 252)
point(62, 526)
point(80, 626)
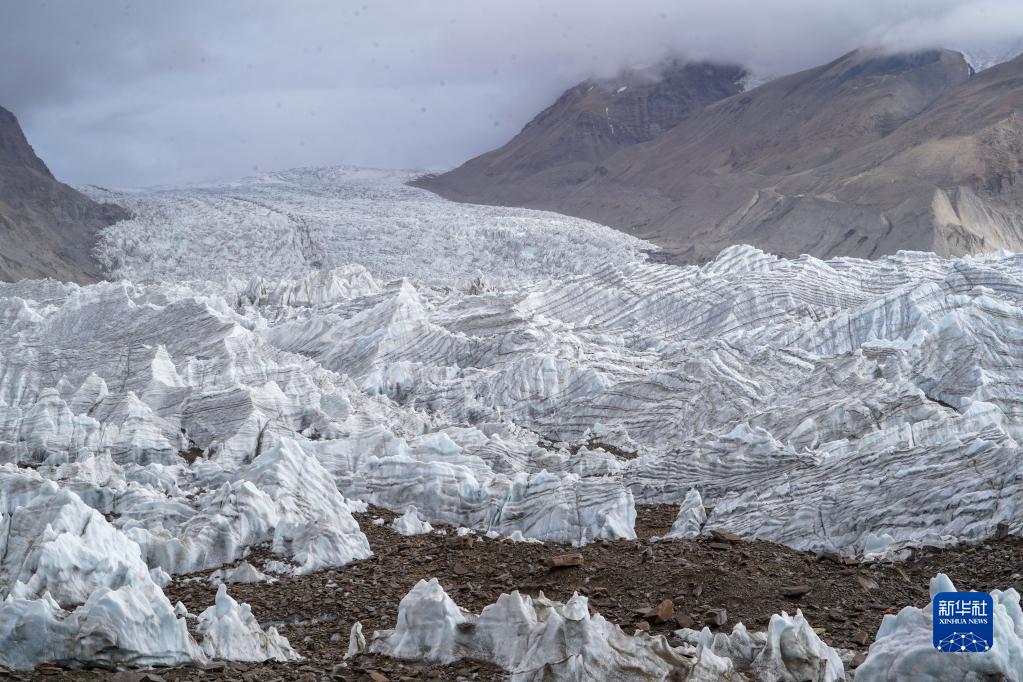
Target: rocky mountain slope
point(864, 156)
point(47, 229)
point(564, 145)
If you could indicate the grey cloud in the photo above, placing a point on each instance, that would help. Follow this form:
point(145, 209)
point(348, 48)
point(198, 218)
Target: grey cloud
point(138, 93)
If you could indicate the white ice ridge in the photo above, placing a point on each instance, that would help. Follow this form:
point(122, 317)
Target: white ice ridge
point(821, 404)
point(539, 639)
point(75, 590)
point(903, 650)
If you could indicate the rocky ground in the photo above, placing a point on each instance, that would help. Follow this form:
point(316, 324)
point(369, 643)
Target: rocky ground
point(716, 581)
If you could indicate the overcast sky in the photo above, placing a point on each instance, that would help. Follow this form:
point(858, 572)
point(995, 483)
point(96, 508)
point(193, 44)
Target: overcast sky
point(141, 93)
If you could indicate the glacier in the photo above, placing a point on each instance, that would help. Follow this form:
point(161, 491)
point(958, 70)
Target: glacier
point(273, 354)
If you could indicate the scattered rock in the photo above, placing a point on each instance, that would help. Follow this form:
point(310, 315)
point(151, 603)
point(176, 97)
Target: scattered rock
point(724, 535)
point(135, 677)
point(376, 676)
point(861, 638)
point(664, 612)
point(866, 582)
point(661, 613)
point(567, 560)
point(717, 617)
point(795, 591)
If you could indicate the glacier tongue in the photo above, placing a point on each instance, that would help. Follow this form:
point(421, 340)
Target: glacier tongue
point(790, 393)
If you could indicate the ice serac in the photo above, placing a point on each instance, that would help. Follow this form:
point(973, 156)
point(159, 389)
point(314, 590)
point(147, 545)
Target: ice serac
point(54, 544)
point(410, 523)
point(564, 508)
point(903, 649)
point(242, 573)
point(691, 517)
point(788, 650)
point(230, 631)
point(540, 639)
point(284, 497)
point(76, 589)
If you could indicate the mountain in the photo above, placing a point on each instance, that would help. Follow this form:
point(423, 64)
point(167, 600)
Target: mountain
point(563, 146)
point(47, 229)
point(864, 156)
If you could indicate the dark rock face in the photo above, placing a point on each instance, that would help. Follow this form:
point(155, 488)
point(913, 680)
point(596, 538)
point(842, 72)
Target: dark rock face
point(864, 156)
point(564, 145)
point(47, 229)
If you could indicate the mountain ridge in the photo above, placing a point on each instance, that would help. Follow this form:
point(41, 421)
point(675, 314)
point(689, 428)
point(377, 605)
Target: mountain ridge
point(826, 161)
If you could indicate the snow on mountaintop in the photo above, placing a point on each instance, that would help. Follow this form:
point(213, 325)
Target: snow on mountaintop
point(825, 405)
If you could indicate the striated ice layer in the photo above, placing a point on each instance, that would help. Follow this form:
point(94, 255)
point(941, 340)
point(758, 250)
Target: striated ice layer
point(539, 639)
point(823, 405)
point(903, 649)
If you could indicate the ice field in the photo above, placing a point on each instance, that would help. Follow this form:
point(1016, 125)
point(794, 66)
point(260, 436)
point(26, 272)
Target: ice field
point(317, 340)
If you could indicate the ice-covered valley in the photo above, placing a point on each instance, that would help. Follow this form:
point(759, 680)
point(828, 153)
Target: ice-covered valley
point(281, 351)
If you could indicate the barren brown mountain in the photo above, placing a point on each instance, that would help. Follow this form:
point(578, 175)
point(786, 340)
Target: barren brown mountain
point(47, 229)
point(564, 145)
point(863, 156)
